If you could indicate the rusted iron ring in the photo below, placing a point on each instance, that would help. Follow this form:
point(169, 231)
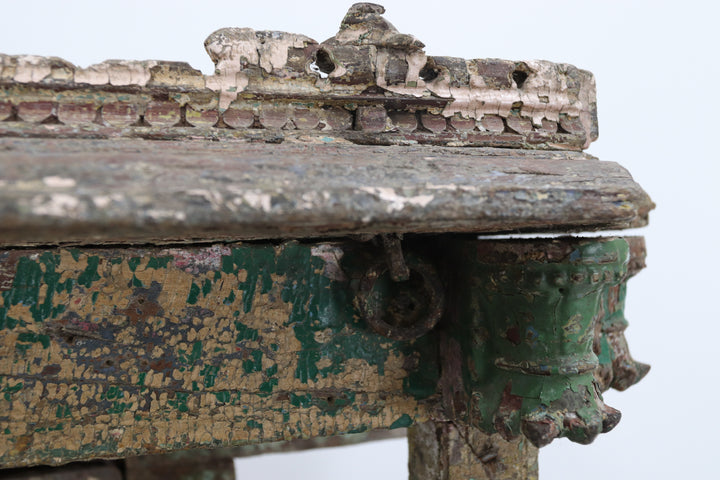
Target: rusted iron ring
point(401, 310)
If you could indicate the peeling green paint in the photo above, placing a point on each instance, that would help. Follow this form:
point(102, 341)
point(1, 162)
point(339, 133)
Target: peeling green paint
point(223, 397)
point(193, 295)
point(159, 262)
point(133, 263)
point(403, 422)
point(90, 274)
point(214, 334)
point(180, 401)
point(209, 372)
point(254, 363)
point(245, 333)
point(529, 326)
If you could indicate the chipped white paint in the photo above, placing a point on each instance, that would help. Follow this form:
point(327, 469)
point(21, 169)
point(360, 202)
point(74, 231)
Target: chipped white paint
point(397, 202)
point(58, 182)
point(8, 66)
point(93, 75)
point(260, 201)
point(116, 72)
point(163, 215)
point(308, 200)
point(127, 72)
point(55, 205)
point(234, 49)
point(239, 53)
point(331, 255)
point(213, 197)
point(31, 68)
point(543, 95)
point(451, 187)
point(102, 201)
point(34, 69)
point(414, 85)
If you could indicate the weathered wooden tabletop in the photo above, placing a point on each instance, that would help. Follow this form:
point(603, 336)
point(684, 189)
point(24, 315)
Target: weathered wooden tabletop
point(94, 191)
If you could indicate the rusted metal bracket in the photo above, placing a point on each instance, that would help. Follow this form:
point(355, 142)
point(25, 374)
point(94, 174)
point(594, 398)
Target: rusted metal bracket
point(399, 270)
point(402, 299)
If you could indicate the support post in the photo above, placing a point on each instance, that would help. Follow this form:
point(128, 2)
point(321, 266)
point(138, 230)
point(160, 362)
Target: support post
point(446, 451)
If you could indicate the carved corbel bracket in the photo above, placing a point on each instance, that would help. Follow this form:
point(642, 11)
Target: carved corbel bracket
point(518, 349)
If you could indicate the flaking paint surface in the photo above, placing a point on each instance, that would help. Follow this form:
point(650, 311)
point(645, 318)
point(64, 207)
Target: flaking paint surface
point(108, 353)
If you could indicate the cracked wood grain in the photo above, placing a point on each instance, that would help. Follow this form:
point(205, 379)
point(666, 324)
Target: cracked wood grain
point(110, 191)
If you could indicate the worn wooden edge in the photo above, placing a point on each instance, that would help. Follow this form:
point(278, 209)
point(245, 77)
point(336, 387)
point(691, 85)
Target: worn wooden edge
point(251, 450)
point(123, 191)
point(213, 464)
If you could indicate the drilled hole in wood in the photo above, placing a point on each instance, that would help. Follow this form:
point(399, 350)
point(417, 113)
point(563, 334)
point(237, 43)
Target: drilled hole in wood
point(406, 303)
point(52, 120)
point(13, 115)
point(519, 76)
point(141, 122)
point(428, 73)
point(323, 63)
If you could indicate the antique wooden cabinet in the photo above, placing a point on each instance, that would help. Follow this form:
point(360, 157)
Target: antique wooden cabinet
point(312, 242)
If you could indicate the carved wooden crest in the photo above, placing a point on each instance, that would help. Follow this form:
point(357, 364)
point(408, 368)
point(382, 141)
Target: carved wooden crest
point(369, 84)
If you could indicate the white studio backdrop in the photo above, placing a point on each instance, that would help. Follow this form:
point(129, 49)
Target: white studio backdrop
point(656, 66)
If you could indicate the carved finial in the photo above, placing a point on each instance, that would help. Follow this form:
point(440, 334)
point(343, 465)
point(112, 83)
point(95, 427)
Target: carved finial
point(364, 25)
point(359, 12)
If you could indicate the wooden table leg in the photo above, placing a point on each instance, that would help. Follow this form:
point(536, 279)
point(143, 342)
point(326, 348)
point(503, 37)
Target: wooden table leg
point(445, 451)
point(105, 470)
point(184, 465)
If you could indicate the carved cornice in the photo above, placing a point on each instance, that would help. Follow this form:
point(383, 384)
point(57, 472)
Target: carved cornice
point(368, 84)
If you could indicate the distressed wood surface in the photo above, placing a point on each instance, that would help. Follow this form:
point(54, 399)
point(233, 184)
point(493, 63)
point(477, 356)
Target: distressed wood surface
point(113, 191)
point(111, 353)
point(369, 84)
point(445, 451)
point(115, 352)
